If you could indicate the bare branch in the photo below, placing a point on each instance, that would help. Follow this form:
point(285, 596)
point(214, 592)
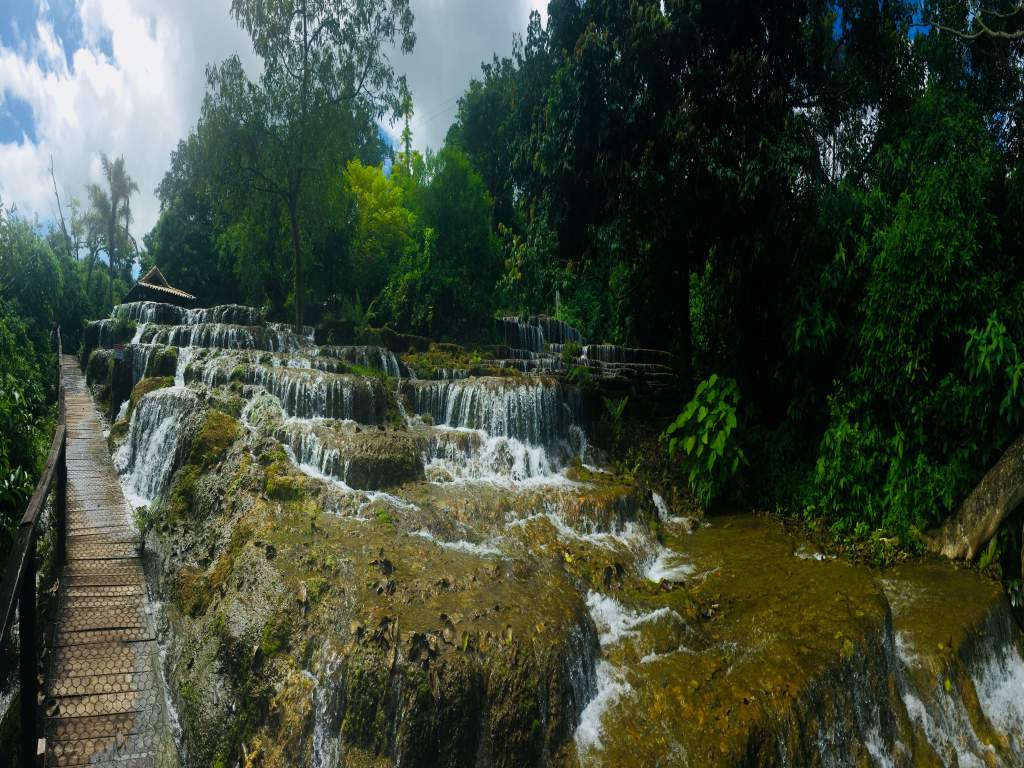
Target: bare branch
point(60, 210)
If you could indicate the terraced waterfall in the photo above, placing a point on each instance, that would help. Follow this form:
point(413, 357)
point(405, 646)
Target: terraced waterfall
point(376, 556)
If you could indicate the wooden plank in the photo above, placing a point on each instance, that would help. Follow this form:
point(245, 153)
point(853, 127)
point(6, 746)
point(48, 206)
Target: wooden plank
point(105, 700)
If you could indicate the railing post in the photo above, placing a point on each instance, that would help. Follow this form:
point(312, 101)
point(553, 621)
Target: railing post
point(29, 660)
point(61, 502)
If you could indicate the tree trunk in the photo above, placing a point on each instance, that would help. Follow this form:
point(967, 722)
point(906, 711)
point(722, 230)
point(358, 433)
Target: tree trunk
point(293, 215)
point(110, 256)
point(994, 499)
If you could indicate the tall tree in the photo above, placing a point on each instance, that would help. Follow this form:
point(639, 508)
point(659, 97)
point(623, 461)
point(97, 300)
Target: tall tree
point(318, 56)
point(112, 206)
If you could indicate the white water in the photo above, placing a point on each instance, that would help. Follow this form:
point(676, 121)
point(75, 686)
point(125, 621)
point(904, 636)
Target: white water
point(150, 454)
point(474, 456)
point(461, 545)
point(184, 358)
point(999, 683)
point(611, 686)
point(667, 566)
point(535, 412)
point(615, 623)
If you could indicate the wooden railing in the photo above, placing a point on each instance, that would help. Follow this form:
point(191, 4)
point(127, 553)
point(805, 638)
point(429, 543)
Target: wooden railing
point(18, 585)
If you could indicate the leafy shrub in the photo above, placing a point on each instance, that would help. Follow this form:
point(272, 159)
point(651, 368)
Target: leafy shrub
point(614, 411)
point(704, 438)
point(580, 376)
point(571, 351)
point(24, 422)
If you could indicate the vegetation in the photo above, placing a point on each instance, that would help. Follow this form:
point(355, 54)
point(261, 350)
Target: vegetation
point(704, 438)
point(818, 202)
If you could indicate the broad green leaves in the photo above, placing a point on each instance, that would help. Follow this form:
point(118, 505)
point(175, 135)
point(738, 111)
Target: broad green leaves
point(704, 437)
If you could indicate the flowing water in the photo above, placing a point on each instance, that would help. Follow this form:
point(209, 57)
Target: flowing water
point(674, 644)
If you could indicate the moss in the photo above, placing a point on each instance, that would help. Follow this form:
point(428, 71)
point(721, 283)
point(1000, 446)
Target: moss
point(446, 357)
point(215, 437)
point(99, 367)
point(282, 482)
point(218, 433)
point(146, 386)
point(191, 592)
point(385, 519)
point(277, 634)
point(164, 362)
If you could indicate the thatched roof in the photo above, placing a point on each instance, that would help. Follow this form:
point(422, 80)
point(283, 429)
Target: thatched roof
point(154, 280)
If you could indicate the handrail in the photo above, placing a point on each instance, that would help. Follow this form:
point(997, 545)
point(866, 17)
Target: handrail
point(18, 583)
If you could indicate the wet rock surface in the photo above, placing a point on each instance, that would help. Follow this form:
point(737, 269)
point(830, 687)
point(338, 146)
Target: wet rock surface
point(364, 569)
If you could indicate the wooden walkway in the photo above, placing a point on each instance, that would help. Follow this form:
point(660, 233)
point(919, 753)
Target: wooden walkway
point(105, 703)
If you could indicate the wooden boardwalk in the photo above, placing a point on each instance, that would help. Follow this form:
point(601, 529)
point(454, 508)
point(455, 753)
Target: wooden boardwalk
point(105, 703)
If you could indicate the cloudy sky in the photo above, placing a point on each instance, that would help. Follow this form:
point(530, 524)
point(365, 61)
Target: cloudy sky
point(78, 77)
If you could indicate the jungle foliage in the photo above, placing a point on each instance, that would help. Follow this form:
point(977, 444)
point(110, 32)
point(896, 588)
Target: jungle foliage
point(818, 202)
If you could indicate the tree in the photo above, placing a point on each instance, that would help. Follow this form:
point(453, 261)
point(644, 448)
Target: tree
point(112, 207)
point(384, 229)
point(318, 56)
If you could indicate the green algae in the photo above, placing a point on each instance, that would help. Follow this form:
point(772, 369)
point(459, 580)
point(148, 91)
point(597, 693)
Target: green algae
point(144, 387)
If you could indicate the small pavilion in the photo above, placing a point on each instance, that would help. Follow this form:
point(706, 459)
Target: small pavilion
point(153, 286)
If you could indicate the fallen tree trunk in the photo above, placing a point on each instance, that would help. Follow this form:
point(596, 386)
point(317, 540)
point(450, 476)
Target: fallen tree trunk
point(998, 494)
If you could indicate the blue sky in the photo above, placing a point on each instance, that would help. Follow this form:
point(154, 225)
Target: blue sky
point(126, 77)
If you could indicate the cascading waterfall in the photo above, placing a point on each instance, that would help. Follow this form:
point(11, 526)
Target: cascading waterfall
point(536, 333)
point(150, 312)
point(466, 455)
point(374, 358)
point(327, 705)
point(222, 336)
point(311, 394)
point(156, 438)
point(609, 353)
point(168, 314)
point(517, 434)
point(536, 412)
point(310, 451)
point(522, 334)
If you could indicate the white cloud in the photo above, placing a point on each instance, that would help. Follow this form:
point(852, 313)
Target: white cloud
point(138, 101)
point(135, 84)
point(454, 37)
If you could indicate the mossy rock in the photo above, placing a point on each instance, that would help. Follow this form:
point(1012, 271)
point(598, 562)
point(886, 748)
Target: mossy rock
point(164, 362)
point(146, 386)
point(217, 434)
point(393, 340)
point(451, 357)
point(100, 367)
point(283, 483)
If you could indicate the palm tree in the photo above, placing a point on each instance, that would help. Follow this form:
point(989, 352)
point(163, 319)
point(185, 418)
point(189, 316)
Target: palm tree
point(111, 207)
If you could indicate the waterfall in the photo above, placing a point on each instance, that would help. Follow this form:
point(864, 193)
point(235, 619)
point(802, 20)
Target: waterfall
point(374, 358)
point(609, 353)
point(312, 394)
point(327, 707)
point(225, 314)
point(169, 314)
point(521, 334)
point(150, 312)
point(155, 443)
point(184, 358)
point(224, 336)
point(536, 412)
point(141, 355)
point(535, 333)
point(558, 331)
point(310, 451)
point(463, 455)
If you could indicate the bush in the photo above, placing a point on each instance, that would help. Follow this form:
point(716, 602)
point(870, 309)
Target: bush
point(25, 422)
point(704, 438)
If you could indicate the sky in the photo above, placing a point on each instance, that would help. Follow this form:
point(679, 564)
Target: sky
point(126, 77)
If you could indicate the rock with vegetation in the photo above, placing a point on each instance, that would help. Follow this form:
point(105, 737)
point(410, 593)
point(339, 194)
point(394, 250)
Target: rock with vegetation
point(360, 570)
